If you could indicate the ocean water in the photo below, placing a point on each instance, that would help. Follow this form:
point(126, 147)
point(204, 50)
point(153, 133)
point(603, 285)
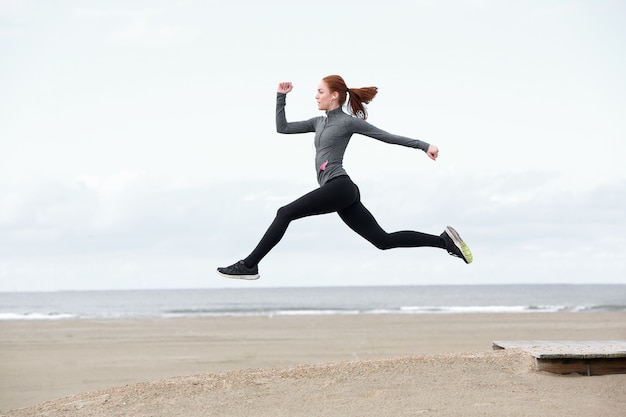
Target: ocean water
point(313, 301)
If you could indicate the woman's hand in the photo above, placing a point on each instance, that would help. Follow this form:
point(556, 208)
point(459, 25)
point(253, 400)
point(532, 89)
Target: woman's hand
point(432, 152)
point(285, 87)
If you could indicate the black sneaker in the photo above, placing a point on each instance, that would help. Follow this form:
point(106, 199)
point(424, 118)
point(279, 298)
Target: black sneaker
point(239, 270)
point(455, 245)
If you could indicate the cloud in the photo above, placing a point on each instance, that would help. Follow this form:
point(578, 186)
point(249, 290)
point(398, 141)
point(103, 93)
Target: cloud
point(90, 13)
point(185, 169)
point(10, 8)
point(132, 226)
point(143, 33)
point(144, 27)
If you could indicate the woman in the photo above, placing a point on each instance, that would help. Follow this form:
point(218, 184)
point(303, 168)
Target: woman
point(337, 192)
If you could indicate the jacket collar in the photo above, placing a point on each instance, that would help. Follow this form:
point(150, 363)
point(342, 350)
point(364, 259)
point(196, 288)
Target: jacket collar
point(336, 111)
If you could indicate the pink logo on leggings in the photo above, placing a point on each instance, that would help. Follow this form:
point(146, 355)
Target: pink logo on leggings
point(323, 166)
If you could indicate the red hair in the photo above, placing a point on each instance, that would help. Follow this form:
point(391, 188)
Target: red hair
point(358, 96)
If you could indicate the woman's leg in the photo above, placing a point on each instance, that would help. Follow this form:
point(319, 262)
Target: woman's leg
point(332, 196)
point(359, 219)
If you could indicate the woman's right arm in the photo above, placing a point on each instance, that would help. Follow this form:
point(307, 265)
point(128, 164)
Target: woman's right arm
point(282, 126)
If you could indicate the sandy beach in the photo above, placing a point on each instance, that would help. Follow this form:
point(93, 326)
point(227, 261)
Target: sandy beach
point(354, 365)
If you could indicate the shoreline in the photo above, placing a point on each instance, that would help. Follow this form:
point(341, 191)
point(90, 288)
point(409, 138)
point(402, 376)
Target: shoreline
point(252, 301)
point(47, 360)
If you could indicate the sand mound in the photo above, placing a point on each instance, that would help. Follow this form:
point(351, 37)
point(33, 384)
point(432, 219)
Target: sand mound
point(477, 384)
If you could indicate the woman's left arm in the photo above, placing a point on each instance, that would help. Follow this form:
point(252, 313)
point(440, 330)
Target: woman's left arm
point(362, 127)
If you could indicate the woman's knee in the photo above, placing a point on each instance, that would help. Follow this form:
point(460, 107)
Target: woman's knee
point(284, 213)
point(381, 242)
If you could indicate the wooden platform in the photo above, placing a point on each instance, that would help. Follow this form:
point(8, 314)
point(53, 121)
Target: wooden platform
point(567, 356)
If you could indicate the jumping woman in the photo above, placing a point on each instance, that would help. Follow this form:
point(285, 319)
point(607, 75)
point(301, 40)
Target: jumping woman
point(337, 192)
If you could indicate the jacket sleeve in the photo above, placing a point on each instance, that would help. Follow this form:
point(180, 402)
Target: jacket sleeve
point(282, 126)
point(362, 127)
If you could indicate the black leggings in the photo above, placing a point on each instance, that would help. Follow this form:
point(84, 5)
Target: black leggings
point(339, 194)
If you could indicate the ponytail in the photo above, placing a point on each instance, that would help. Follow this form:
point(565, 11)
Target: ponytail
point(357, 98)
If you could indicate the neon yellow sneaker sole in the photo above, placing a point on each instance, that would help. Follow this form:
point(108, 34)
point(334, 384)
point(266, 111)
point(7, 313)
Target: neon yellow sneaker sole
point(460, 244)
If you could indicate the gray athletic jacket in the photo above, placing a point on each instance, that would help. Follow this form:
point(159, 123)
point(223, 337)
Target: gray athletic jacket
point(332, 134)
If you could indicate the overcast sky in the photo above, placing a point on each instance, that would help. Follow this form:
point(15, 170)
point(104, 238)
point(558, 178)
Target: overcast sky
point(138, 146)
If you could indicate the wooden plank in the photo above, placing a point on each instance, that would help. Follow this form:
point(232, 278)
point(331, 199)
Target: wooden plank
point(569, 356)
point(567, 349)
point(587, 367)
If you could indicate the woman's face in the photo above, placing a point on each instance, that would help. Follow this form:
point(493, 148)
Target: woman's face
point(325, 99)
